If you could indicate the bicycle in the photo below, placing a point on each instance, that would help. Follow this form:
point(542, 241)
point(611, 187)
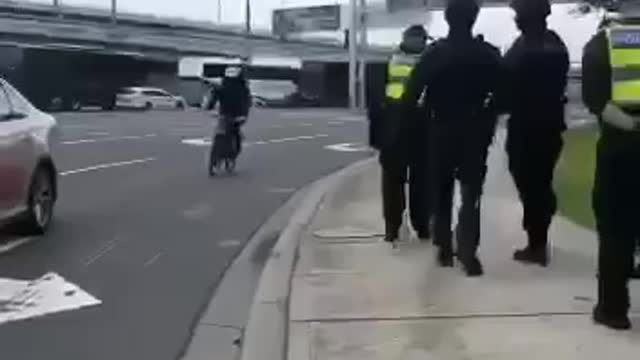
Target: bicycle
point(225, 145)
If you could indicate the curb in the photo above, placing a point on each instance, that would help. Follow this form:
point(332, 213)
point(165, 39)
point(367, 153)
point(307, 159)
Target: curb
point(266, 334)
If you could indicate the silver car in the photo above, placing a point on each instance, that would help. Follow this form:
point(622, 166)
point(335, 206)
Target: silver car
point(28, 177)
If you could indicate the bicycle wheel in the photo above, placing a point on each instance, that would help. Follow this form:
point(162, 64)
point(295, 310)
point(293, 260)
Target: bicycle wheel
point(230, 165)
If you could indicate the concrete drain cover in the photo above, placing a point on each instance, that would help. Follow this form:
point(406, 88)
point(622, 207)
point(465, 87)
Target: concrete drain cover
point(347, 232)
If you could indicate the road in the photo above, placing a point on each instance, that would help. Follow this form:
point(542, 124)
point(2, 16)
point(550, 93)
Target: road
point(141, 227)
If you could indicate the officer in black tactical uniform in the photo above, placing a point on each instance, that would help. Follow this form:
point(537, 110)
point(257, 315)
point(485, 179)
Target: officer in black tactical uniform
point(536, 69)
point(402, 137)
point(459, 74)
point(610, 91)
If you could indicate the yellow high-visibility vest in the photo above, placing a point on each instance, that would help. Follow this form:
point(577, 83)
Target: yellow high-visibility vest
point(624, 55)
point(398, 72)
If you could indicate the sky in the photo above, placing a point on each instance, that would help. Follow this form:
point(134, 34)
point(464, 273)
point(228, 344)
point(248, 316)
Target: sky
point(203, 10)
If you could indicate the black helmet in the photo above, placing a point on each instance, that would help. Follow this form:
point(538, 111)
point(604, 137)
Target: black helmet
point(415, 30)
point(531, 8)
point(462, 12)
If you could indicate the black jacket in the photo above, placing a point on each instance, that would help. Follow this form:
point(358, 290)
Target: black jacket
point(535, 84)
point(234, 97)
point(458, 74)
point(596, 73)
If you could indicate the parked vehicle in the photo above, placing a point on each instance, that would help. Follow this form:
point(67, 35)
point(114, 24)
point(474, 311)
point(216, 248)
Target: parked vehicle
point(148, 98)
point(28, 176)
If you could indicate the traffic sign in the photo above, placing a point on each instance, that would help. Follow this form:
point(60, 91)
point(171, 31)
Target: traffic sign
point(314, 18)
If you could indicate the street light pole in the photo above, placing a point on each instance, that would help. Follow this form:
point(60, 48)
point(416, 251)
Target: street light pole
point(56, 5)
point(362, 69)
point(353, 54)
point(114, 11)
point(219, 11)
point(247, 29)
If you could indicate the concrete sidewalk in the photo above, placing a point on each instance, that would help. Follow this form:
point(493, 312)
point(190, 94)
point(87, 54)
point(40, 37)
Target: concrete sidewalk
point(354, 297)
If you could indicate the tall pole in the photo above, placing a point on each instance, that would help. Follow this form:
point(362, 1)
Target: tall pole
point(219, 11)
point(353, 54)
point(56, 5)
point(114, 11)
point(362, 68)
point(247, 29)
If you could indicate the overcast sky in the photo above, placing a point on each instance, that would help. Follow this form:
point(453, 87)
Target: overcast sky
point(232, 10)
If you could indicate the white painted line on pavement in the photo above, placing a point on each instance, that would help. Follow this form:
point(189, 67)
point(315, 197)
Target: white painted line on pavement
point(98, 133)
point(106, 166)
point(348, 147)
point(230, 243)
point(305, 124)
point(103, 250)
point(153, 259)
point(294, 138)
point(335, 122)
point(207, 141)
point(5, 248)
point(111, 139)
point(51, 293)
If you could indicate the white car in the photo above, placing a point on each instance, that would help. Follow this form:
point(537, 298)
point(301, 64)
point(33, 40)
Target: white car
point(148, 98)
point(28, 176)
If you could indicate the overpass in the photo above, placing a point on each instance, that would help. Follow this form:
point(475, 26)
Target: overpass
point(37, 25)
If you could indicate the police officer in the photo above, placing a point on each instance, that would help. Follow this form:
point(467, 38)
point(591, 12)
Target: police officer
point(610, 90)
point(403, 143)
point(459, 74)
point(536, 69)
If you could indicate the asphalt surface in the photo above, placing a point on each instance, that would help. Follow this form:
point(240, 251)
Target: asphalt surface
point(141, 226)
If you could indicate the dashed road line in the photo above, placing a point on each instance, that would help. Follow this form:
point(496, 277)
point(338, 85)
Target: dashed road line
point(153, 259)
point(207, 141)
point(109, 139)
point(106, 166)
point(103, 250)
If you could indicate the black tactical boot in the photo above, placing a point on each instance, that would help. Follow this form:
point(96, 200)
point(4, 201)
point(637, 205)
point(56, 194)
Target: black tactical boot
point(445, 256)
point(472, 266)
point(621, 322)
point(531, 255)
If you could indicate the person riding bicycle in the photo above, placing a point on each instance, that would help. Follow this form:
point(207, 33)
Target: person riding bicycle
point(234, 100)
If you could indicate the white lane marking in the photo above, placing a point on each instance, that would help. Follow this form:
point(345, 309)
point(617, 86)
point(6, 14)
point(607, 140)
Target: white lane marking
point(198, 212)
point(103, 250)
point(111, 139)
point(51, 293)
point(352, 118)
point(98, 133)
point(153, 259)
point(231, 243)
point(106, 166)
point(305, 124)
point(348, 147)
point(207, 141)
point(197, 142)
point(288, 139)
point(335, 122)
point(10, 245)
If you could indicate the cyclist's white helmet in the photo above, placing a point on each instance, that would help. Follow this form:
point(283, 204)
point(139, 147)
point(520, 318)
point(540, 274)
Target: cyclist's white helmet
point(232, 72)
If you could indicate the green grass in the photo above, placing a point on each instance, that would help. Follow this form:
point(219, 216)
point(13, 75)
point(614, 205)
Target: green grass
point(574, 176)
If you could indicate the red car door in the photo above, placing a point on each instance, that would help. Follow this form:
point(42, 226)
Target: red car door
point(14, 158)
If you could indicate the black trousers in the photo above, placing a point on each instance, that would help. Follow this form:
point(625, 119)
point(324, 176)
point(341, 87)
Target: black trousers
point(461, 156)
point(616, 204)
point(405, 159)
point(532, 161)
